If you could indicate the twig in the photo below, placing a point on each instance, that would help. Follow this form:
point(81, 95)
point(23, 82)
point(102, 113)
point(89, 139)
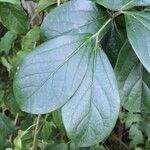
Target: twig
point(34, 146)
point(58, 2)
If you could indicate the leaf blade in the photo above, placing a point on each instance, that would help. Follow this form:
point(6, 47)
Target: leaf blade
point(133, 81)
point(77, 18)
point(138, 31)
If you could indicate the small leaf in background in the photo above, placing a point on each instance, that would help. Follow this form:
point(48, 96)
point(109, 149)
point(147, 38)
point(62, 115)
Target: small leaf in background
point(136, 136)
point(6, 42)
point(129, 118)
point(46, 130)
point(16, 19)
point(3, 142)
point(77, 18)
point(43, 4)
point(62, 146)
point(133, 81)
point(10, 101)
point(18, 143)
point(16, 2)
point(30, 39)
point(122, 4)
point(6, 64)
point(113, 41)
point(6, 125)
point(58, 119)
point(1, 94)
point(138, 30)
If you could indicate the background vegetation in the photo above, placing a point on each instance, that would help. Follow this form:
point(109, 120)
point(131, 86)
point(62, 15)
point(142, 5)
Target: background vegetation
point(19, 34)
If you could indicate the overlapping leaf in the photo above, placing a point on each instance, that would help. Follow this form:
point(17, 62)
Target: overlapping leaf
point(138, 30)
point(113, 41)
point(90, 114)
point(65, 71)
point(16, 2)
point(133, 81)
point(6, 126)
point(71, 72)
point(15, 20)
point(79, 16)
point(122, 4)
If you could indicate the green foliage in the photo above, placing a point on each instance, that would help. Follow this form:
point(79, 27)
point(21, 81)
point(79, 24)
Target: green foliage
point(69, 69)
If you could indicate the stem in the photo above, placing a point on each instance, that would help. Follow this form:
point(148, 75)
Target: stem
point(34, 146)
point(58, 2)
point(15, 123)
point(16, 119)
point(101, 29)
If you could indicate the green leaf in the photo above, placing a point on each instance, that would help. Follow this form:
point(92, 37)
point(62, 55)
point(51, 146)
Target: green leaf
point(32, 37)
point(16, 2)
point(43, 4)
point(122, 4)
point(130, 118)
point(46, 130)
point(15, 20)
point(90, 114)
point(1, 94)
point(136, 136)
point(58, 119)
point(18, 143)
point(61, 146)
point(138, 30)
point(6, 125)
point(6, 42)
point(77, 18)
point(113, 41)
point(66, 71)
point(133, 81)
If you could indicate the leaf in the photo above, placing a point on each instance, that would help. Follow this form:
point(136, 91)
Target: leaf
point(77, 18)
point(61, 146)
point(57, 118)
point(6, 126)
point(16, 19)
point(18, 143)
point(122, 4)
point(6, 42)
point(133, 81)
point(65, 71)
point(29, 41)
point(46, 130)
point(138, 30)
point(43, 4)
point(1, 94)
point(16, 2)
point(136, 136)
point(129, 118)
point(90, 114)
point(113, 41)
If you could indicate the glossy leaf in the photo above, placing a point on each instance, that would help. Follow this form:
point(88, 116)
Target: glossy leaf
point(90, 114)
point(15, 20)
point(122, 4)
point(138, 30)
point(79, 16)
point(133, 81)
point(65, 71)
